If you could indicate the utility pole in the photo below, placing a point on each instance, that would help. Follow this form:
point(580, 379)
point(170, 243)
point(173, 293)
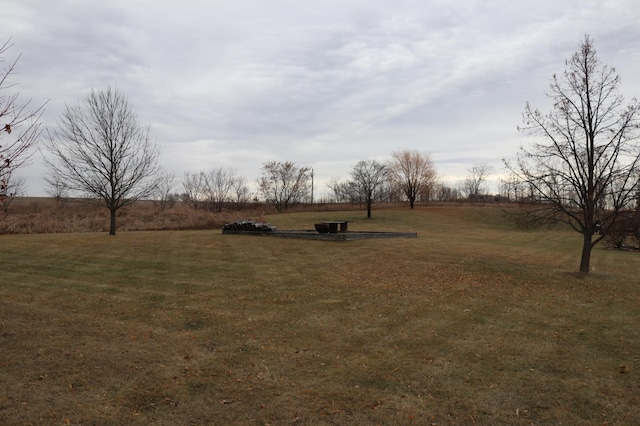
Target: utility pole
point(311, 185)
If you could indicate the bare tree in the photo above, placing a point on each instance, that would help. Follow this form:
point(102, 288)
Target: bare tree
point(240, 190)
point(584, 164)
point(283, 184)
point(166, 182)
point(194, 185)
point(100, 150)
point(19, 124)
point(512, 188)
point(473, 184)
point(370, 179)
point(445, 192)
point(412, 173)
point(55, 187)
point(343, 192)
point(219, 185)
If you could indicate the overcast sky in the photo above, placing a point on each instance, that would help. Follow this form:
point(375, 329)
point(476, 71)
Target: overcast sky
point(322, 83)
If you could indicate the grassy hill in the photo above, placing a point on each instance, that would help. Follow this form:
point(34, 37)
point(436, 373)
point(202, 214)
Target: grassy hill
point(473, 322)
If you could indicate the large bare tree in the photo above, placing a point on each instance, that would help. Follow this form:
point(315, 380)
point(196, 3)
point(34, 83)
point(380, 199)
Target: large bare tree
point(284, 184)
point(101, 150)
point(412, 173)
point(370, 179)
point(583, 166)
point(19, 124)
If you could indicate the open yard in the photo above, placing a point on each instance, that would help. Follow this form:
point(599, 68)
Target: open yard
point(473, 322)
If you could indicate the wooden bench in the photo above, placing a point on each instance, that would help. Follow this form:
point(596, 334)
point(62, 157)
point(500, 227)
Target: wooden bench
point(333, 225)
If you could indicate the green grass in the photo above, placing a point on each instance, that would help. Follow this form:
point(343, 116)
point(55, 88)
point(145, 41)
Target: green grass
point(473, 322)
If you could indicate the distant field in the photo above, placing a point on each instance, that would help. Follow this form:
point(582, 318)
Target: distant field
point(473, 322)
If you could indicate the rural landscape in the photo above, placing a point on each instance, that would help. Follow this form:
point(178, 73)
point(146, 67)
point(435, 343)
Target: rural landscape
point(134, 295)
point(476, 321)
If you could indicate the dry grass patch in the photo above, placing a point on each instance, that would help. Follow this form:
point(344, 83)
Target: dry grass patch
point(472, 322)
point(45, 215)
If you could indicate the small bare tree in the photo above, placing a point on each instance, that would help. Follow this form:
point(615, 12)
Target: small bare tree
point(512, 188)
point(219, 186)
point(195, 188)
point(446, 192)
point(370, 179)
point(19, 125)
point(284, 184)
point(413, 174)
point(240, 190)
point(56, 189)
point(341, 191)
point(166, 182)
point(473, 184)
point(100, 150)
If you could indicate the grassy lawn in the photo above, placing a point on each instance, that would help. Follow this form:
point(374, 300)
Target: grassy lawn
point(473, 322)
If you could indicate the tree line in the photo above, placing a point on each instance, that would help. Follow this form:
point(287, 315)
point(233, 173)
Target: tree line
point(409, 176)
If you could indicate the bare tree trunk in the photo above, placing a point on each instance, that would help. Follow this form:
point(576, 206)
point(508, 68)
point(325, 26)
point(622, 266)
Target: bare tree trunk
point(585, 259)
point(112, 226)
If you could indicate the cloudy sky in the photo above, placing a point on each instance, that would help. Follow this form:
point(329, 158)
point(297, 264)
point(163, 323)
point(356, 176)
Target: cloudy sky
point(322, 83)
